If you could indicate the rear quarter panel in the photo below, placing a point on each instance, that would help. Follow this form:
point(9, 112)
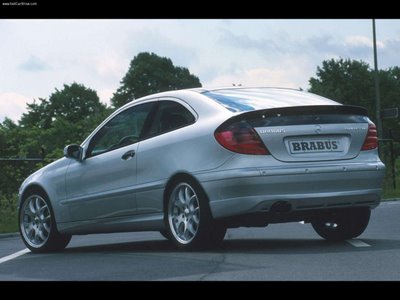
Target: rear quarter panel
point(190, 149)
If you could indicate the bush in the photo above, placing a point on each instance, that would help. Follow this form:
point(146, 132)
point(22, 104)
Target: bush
point(8, 214)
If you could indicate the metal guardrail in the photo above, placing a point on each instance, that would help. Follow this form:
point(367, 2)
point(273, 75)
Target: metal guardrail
point(21, 159)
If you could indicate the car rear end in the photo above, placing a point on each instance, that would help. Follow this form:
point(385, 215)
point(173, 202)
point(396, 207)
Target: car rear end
point(292, 161)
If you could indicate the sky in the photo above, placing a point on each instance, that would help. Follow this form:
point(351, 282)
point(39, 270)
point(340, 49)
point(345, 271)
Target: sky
point(39, 56)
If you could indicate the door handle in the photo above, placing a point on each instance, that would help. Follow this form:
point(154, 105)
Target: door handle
point(128, 155)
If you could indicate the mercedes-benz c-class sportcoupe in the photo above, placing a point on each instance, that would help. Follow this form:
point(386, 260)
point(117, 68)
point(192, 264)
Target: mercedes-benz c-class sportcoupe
point(192, 163)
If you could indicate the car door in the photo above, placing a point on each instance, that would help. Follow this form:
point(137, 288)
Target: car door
point(102, 185)
point(160, 152)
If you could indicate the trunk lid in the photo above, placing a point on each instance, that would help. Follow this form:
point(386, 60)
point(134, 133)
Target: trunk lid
point(310, 133)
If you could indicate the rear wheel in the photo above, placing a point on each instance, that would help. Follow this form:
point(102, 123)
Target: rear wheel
point(165, 234)
point(343, 225)
point(188, 217)
point(38, 227)
point(217, 234)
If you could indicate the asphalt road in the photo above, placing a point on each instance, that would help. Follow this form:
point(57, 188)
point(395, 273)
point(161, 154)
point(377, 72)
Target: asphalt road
point(290, 251)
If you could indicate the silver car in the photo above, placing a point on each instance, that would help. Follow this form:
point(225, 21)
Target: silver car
point(192, 163)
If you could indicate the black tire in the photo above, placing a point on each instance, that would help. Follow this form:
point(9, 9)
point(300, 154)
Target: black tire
point(217, 234)
point(165, 234)
point(205, 234)
point(41, 218)
point(343, 225)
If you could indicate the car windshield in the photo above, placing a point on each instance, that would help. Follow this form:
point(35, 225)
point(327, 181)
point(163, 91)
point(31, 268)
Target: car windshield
point(248, 99)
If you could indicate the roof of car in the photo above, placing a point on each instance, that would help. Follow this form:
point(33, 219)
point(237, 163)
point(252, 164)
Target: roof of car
point(227, 88)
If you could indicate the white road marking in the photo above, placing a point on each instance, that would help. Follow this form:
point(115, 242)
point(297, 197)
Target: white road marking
point(14, 255)
point(302, 222)
point(358, 243)
point(393, 201)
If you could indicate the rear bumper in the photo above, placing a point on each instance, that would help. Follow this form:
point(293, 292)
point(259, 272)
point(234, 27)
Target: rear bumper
point(242, 191)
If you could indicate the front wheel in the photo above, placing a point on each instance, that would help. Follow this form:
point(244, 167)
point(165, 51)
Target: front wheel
point(37, 225)
point(188, 217)
point(343, 225)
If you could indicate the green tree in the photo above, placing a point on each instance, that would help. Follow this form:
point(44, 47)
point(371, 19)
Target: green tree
point(149, 73)
point(73, 103)
point(352, 82)
point(68, 116)
point(346, 81)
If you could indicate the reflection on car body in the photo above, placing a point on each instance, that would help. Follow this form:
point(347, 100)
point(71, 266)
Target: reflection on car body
point(192, 163)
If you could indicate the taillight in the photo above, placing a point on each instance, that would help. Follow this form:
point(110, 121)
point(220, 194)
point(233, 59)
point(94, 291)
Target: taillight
point(371, 140)
point(240, 137)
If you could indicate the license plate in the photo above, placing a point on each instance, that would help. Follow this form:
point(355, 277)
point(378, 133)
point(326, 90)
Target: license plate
point(315, 146)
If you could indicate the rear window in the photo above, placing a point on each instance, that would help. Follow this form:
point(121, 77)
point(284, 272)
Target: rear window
point(248, 99)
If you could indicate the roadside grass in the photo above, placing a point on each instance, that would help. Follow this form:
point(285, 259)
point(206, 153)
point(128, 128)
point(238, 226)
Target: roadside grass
point(8, 214)
point(388, 189)
point(389, 193)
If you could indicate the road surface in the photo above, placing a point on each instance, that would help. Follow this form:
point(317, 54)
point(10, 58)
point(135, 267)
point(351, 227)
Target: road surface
point(291, 251)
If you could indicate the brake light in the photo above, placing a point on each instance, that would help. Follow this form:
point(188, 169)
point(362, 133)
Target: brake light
point(240, 137)
point(371, 140)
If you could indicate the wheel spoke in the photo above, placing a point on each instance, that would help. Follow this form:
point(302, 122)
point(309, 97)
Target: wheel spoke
point(179, 205)
point(187, 195)
point(37, 205)
point(36, 237)
point(42, 209)
point(46, 227)
point(41, 235)
point(195, 218)
point(190, 228)
point(181, 229)
point(30, 230)
point(35, 221)
point(184, 213)
point(186, 234)
point(181, 197)
point(192, 202)
point(28, 212)
point(178, 221)
point(32, 207)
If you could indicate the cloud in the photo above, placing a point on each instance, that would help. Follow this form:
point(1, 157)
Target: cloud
point(317, 47)
point(362, 41)
point(152, 40)
point(34, 64)
point(244, 41)
point(287, 75)
point(105, 95)
point(109, 65)
point(322, 44)
point(12, 105)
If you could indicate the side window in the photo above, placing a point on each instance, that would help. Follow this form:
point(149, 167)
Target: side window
point(122, 130)
point(170, 115)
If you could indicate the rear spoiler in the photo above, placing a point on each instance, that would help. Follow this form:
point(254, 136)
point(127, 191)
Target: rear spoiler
point(305, 110)
point(304, 115)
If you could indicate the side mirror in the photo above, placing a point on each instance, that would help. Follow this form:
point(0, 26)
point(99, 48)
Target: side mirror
point(73, 151)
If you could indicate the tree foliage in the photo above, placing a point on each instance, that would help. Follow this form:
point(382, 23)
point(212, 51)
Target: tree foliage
point(148, 74)
point(352, 82)
point(67, 117)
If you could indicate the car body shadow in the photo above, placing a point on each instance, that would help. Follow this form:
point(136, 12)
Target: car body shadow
point(273, 246)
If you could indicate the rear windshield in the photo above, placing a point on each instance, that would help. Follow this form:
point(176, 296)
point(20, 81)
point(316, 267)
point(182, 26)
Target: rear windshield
point(248, 99)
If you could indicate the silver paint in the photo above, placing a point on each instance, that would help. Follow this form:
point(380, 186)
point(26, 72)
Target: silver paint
point(107, 194)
